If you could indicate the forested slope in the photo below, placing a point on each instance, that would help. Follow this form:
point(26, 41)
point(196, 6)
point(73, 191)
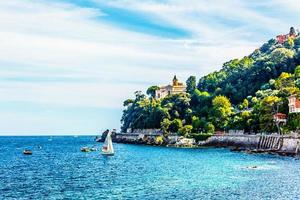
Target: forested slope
point(243, 95)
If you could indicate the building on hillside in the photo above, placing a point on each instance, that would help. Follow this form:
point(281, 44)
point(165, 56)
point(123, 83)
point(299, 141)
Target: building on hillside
point(292, 34)
point(281, 38)
point(175, 88)
point(280, 118)
point(294, 104)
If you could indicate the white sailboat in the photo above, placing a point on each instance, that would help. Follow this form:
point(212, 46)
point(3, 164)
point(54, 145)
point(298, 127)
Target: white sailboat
point(107, 148)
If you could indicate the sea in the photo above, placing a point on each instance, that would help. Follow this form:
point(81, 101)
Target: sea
point(57, 169)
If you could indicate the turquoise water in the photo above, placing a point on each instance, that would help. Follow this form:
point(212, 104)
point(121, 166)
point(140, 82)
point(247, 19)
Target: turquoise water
point(60, 171)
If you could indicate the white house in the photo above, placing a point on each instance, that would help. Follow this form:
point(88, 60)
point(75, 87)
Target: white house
point(294, 104)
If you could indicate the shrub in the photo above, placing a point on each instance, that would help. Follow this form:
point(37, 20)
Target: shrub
point(185, 130)
point(159, 140)
point(200, 136)
point(175, 125)
point(210, 128)
point(294, 121)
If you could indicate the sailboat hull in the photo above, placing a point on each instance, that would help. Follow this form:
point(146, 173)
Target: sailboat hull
point(107, 154)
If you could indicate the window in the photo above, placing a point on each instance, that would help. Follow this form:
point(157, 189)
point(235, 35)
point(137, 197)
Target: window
point(292, 109)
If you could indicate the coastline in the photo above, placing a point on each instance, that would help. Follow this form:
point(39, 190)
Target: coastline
point(284, 145)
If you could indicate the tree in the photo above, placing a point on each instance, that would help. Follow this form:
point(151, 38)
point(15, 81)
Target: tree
point(294, 121)
point(281, 55)
point(267, 108)
point(200, 103)
point(242, 121)
point(297, 83)
point(191, 84)
point(178, 105)
point(198, 124)
point(128, 102)
point(290, 43)
point(245, 104)
point(151, 90)
point(165, 124)
point(159, 140)
point(297, 71)
point(221, 111)
point(185, 130)
point(175, 125)
point(286, 84)
point(139, 95)
point(210, 128)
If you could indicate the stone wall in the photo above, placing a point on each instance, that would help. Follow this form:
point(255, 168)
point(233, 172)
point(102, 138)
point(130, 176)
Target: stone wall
point(261, 143)
point(247, 141)
point(290, 144)
point(135, 138)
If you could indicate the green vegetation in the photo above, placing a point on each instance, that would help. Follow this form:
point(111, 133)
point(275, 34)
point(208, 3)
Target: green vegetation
point(243, 95)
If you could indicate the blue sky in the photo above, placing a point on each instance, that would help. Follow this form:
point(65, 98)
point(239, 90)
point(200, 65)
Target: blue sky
point(66, 66)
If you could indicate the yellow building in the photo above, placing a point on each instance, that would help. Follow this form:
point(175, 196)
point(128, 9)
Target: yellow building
point(175, 88)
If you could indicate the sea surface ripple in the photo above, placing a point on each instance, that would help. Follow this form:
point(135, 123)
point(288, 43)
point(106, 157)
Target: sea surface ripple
point(57, 169)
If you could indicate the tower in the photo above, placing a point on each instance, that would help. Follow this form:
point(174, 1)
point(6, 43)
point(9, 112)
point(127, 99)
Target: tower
point(175, 81)
point(292, 31)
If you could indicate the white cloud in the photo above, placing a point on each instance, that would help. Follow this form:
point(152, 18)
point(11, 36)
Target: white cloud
point(207, 19)
point(92, 62)
point(60, 40)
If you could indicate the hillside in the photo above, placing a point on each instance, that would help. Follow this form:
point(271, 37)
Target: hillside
point(240, 78)
point(243, 95)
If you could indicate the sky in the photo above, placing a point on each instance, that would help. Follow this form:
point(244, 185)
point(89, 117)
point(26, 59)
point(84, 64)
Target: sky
point(66, 66)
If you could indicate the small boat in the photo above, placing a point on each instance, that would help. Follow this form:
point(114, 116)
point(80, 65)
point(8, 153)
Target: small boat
point(93, 149)
point(85, 149)
point(107, 148)
point(252, 167)
point(27, 152)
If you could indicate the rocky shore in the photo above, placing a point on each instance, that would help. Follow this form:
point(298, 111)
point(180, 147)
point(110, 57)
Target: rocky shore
point(155, 138)
point(278, 144)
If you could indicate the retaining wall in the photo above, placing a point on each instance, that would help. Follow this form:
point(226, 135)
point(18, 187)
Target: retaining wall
point(275, 143)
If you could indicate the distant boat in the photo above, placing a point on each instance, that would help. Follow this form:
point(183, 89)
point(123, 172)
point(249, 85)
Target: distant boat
point(107, 148)
point(93, 149)
point(85, 149)
point(27, 152)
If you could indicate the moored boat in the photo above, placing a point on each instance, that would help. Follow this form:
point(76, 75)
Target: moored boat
point(27, 152)
point(85, 149)
point(93, 149)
